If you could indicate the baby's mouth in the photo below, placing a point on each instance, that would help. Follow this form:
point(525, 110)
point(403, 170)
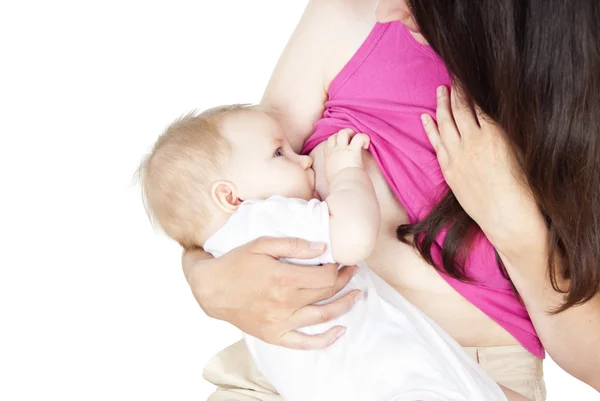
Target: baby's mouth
point(316, 195)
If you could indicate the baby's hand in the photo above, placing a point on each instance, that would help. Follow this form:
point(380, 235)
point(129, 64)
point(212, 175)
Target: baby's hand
point(344, 150)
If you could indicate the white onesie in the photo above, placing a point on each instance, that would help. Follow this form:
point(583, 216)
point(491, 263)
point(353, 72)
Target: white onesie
point(391, 351)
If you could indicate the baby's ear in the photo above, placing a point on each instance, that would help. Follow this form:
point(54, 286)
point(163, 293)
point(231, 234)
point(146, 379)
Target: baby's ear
point(224, 195)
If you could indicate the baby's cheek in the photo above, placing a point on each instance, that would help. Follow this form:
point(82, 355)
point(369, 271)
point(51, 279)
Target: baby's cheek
point(321, 184)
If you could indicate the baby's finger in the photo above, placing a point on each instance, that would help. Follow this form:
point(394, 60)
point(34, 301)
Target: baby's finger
point(332, 141)
point(360, 141)
point(436, 141)
point(343, 137)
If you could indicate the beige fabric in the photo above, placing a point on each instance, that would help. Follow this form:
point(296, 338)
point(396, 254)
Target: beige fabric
point(513, 367)
point(237, 379)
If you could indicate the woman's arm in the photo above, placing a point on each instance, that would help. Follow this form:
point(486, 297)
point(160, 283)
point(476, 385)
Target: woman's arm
point(296, 89)
point(250, 288)
point(327, 36)
point(572, 337)
point(478, 168)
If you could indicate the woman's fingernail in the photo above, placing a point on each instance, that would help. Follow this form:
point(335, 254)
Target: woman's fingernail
point(358, 297)
point(355, 271)
point(424, 119)
point(317, 245)
point(340, 332)
point(441, 91)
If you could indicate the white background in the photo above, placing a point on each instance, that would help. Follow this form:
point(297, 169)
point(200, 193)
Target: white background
point(93, 303)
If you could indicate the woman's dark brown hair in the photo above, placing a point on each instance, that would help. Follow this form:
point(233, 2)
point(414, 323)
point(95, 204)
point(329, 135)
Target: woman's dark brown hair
point(534, 67)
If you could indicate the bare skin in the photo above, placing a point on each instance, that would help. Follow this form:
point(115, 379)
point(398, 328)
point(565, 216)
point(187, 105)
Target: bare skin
point(466, 142)
point(569, 336)
point(327, 36)
point(300, 98)
point(263, 295)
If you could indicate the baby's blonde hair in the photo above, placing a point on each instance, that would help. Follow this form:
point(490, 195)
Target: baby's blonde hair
point(177, 174)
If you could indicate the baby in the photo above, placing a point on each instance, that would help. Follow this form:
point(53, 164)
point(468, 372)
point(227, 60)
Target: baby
point(227, 176)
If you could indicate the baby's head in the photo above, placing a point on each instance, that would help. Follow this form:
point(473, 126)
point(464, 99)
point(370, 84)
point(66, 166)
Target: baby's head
point(205, 165)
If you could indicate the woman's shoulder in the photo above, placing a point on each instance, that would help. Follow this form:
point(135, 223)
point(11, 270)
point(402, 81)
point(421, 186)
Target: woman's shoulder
point(347, 25)
point(341, 15)
point(326, 37)
point(360, 8)
point(337, 23)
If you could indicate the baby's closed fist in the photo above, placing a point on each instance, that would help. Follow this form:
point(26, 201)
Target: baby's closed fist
point(344, 150)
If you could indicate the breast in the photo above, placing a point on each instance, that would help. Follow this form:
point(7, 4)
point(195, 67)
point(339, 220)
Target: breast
point(401, 266)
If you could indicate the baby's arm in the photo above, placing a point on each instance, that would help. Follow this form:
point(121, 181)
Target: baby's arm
point(353, 206)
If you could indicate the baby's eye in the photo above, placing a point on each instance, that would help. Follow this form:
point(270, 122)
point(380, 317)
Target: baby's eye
point(278, 153)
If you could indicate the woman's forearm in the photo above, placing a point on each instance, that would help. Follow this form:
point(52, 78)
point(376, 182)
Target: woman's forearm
point(572, 337)
point(188, 258)
point(478, 167)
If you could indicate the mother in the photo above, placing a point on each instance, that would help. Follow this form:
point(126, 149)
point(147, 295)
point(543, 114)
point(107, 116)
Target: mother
point(533, 67)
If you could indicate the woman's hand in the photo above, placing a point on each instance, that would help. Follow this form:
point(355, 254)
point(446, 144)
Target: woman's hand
point(268, 299)
point(481, 172)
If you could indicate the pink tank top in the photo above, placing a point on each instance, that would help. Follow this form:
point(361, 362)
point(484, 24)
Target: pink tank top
point(382, 91)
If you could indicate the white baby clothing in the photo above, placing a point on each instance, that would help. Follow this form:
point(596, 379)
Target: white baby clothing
point(391, 351)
